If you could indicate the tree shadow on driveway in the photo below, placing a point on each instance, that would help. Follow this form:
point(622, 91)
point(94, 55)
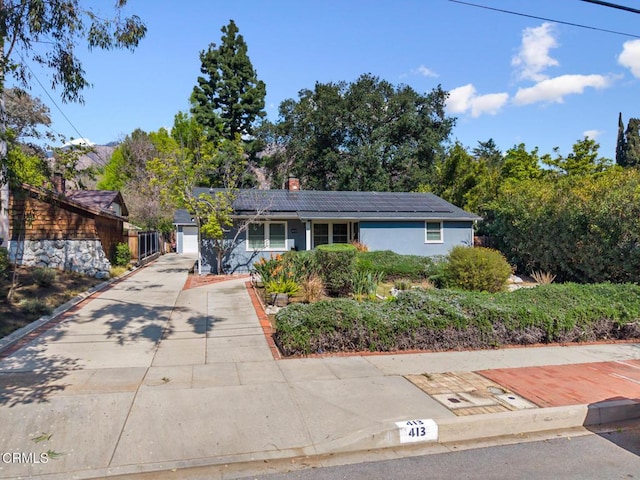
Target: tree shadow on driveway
point(31, 376)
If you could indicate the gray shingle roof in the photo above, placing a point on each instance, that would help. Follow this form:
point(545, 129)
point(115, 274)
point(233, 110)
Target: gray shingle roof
point(100, 199)
point(309, 205)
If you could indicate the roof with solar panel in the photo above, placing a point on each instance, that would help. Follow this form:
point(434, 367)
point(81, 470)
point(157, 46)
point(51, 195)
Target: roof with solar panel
point(312, 205)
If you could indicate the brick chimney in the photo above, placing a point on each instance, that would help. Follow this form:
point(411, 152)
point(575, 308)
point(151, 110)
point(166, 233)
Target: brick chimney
point(293, 184)
point(59, 183)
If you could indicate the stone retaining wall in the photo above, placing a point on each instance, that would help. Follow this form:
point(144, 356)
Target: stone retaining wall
point(82, 256)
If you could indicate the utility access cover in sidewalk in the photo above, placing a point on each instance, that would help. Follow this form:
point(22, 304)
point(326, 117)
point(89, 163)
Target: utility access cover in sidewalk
point(467, 393)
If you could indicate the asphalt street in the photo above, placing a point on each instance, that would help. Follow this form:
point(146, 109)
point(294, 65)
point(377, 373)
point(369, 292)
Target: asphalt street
point(608, 455)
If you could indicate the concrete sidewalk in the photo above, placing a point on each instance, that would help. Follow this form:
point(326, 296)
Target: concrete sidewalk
point(148, 377)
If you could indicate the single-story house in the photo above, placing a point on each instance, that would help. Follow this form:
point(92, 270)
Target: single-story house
point(68, 230)
point(294, 219)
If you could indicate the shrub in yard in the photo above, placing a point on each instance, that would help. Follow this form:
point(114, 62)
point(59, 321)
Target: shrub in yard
point(268, 269)
point(4, 260)
point(35, 307)
point(122, 255)
point(312, 289)
point(337, 265)
point(476, 268)
point(44, 277)
point(393, 265)
point(300, 265)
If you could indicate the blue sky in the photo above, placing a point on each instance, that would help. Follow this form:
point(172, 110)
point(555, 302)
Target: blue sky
point(511, 78)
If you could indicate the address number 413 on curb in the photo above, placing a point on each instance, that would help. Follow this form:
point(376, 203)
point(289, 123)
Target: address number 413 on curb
point(425, 430)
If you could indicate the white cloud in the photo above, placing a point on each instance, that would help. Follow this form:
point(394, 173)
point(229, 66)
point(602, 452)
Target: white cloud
point(466, 99)
point(553, 90)
point(630, 57)
point(533, 57)
point(592, 134)
point(424, 71)
point(459, 100)
point(489, 104)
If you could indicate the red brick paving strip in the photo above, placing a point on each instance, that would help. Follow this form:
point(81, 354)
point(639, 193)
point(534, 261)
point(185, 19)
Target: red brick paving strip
point(267, 328)
point(577, 384)
point(195, 281)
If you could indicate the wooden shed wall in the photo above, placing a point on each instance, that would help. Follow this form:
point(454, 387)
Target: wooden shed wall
point(111, 233)
point(49, 220)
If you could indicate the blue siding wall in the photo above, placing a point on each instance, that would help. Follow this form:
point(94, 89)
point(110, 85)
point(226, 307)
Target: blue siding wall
point(404, 237)
point(240, 260)
point(408, 237)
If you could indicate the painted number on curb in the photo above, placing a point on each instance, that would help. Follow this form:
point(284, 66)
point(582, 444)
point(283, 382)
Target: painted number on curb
point(417, 431)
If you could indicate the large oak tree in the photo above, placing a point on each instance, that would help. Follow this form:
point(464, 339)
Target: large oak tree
point(365, 135)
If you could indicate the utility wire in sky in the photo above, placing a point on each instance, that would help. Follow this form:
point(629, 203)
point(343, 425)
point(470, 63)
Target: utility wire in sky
point(49, 95)
point(545, 19)
point(57, 106)
point(613, 5)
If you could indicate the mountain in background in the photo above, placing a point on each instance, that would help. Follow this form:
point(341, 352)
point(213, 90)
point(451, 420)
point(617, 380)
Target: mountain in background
point(98, 158)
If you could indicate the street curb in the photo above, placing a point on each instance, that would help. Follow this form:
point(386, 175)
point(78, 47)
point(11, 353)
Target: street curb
point(475, 427)
point(17, 335)
point(453, 430)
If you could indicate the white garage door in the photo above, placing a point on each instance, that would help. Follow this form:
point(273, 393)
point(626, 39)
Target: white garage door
point(189, 239)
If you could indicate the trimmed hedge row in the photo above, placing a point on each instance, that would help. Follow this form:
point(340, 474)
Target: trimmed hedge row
point(450, 320)
point(394, 266)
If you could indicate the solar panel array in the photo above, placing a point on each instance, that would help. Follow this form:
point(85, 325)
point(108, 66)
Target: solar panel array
point(308, 201)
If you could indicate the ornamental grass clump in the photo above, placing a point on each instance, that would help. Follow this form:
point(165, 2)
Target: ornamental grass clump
point(543, 278)
point(312, 289)
point(365, 284)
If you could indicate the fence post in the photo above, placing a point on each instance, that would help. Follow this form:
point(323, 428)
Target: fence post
point(133, 245)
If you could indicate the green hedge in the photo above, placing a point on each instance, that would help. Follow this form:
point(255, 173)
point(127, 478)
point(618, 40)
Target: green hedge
point(393, 265)
point(449, 320)
point(581, 228)
point(337, 266)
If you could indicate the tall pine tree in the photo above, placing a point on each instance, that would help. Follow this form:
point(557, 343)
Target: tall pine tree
point(632, 143)
point(228, 98)
point(621, 144)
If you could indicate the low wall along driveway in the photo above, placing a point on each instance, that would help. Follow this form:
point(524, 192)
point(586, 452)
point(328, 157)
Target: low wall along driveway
point(82, 256)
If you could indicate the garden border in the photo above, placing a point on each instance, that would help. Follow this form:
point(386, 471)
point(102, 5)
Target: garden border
point(266, 325)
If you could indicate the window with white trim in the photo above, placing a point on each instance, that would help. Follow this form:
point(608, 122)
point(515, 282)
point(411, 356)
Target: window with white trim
point(433, 232)
point(324, 233)
point(267, 236)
